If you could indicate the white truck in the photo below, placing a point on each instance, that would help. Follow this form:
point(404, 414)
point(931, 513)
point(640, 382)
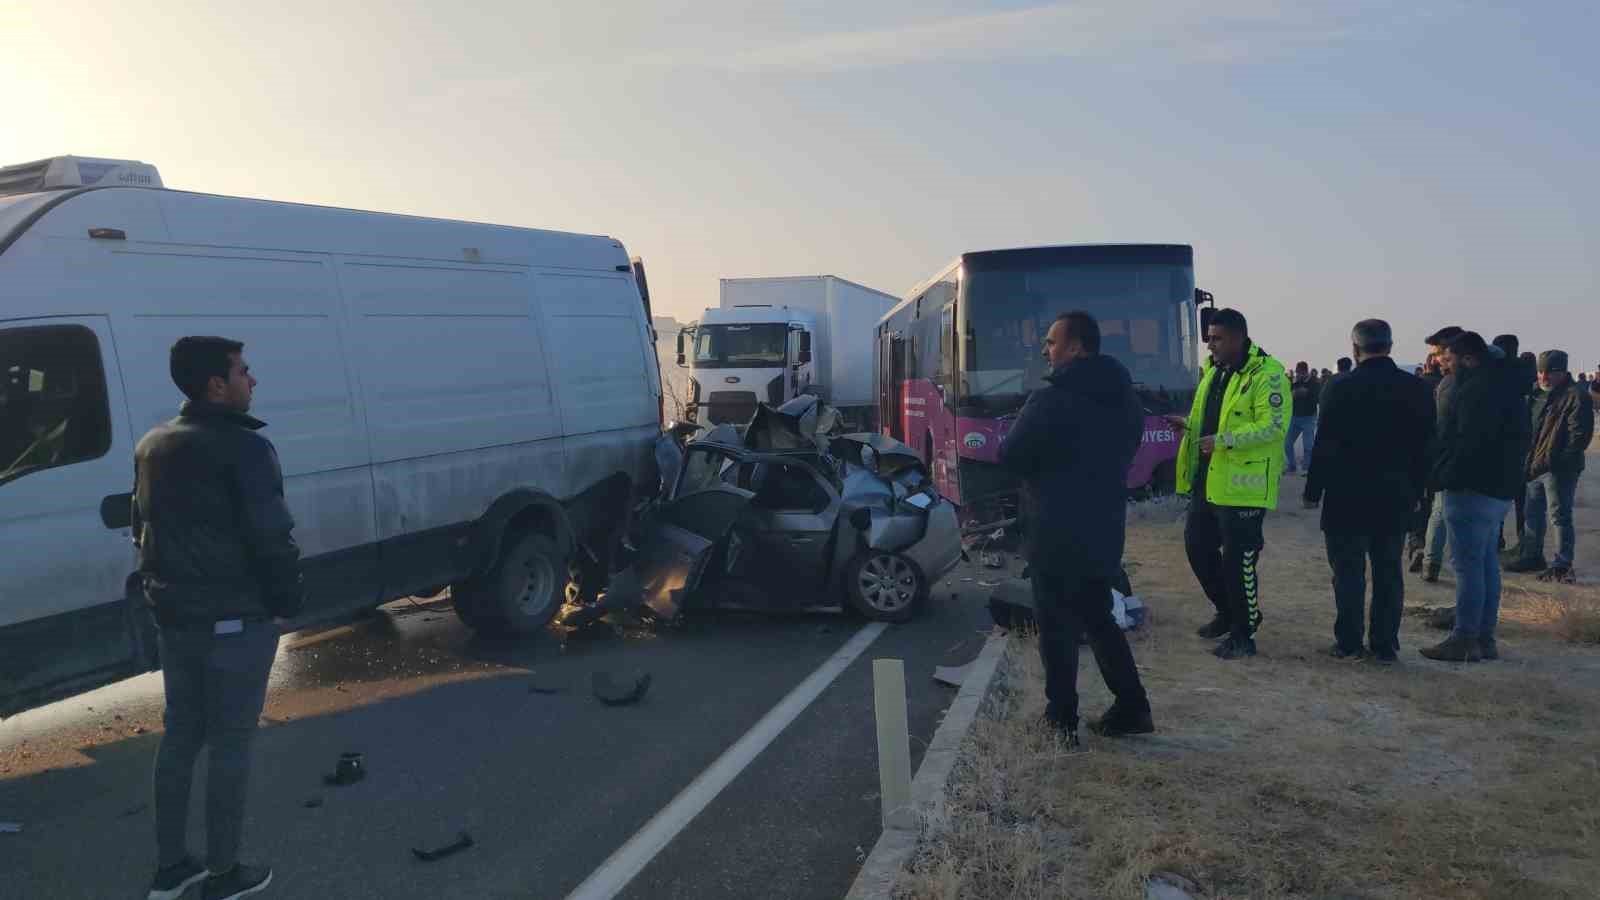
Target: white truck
point(453, 403)
point(772, 339)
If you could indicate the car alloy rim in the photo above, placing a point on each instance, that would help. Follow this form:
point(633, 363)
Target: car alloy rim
point(888, 583)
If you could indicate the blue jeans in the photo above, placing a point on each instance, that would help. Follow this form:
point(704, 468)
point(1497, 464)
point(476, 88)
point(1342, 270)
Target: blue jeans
point(1553, 492)
point(1434, 544)
point(1474, 524)
point(1304, 427)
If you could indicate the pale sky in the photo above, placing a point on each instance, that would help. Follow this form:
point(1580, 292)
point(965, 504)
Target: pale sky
point(1329, 161)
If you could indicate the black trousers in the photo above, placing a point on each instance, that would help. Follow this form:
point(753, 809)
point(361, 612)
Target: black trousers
point(1224, 545)
point(1348, 556)
point(1064, 608)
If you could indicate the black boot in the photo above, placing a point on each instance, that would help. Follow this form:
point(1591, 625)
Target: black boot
point(1487, 648)
point(1455, 648)
point(1236, 647)
point(1217, 627)
point(1118, 722)
point(1527, 564)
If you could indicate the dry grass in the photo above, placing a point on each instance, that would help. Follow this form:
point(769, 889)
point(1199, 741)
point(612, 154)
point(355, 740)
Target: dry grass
point(1293, 774)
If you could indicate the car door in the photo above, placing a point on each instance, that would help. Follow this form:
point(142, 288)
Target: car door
point(66, 469)
point(790, 525)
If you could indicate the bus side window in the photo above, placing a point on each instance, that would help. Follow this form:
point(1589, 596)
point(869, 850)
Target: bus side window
point(53, 406)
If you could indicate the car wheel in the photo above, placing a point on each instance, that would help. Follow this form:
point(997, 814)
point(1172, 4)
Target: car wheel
point(522, 593)
point(884, 587)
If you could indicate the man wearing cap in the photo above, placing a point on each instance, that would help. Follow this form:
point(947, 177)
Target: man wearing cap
point(1371, 466)
point(1563, 424)
point(1431, 558)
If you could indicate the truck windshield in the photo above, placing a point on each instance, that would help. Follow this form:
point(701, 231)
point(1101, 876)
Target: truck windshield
point(1145, 308)
point(740, 346)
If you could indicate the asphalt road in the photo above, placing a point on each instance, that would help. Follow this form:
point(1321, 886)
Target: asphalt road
point(456, 739)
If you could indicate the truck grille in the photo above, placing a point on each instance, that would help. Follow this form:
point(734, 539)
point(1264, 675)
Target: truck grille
point(736, 407)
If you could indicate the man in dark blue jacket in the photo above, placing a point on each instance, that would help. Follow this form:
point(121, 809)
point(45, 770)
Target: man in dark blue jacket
point(1371, 465)
point(1072, 446)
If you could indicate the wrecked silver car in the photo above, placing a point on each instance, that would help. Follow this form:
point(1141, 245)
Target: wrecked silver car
point(782, 515)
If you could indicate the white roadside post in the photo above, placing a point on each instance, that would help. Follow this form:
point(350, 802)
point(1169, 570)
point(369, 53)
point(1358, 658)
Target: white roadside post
point(894, 742)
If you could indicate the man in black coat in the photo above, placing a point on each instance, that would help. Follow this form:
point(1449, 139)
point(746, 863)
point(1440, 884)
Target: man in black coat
point(1371, 465)
point(221, 572)
point(1071, 446)
point(1480, 451)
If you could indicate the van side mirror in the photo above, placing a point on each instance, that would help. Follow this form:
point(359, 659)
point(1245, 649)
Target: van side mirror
point(805, 347)
point(681, 359)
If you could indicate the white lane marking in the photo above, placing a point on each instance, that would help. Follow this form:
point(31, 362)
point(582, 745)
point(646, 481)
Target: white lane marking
point(630, 859)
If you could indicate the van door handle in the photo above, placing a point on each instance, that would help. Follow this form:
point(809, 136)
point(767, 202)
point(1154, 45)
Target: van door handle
point(116, 511)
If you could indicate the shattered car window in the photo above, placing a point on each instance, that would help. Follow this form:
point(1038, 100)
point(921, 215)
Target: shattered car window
point(705, 468)
point(779, 486)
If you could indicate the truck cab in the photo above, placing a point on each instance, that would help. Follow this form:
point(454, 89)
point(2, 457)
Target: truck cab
point(742, 356)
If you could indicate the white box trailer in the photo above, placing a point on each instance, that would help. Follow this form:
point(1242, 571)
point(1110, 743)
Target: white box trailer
point(452, 403)
point(846, 315)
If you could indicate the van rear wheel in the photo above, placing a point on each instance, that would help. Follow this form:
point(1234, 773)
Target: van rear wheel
point(522, 593)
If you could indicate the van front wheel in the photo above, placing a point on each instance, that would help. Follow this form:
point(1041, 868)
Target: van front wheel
point(522, 593)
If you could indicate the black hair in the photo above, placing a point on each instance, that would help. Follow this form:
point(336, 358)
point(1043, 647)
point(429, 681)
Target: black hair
point(196, 360)
point(1470, 343)
point(1508, 343)
point(1372, 336)
point(1344, 364)
point(1444, 336)
point(1231, 319)
point(1083, 327)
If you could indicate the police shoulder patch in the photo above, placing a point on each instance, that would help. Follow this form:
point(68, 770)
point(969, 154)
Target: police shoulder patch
point(1276, 399)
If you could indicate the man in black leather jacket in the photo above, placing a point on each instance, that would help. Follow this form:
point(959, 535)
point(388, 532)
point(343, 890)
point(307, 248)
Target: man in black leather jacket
point(221, 572)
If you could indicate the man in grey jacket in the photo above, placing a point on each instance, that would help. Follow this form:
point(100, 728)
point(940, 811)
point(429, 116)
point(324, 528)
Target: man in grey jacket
point(1563, 425)
point(221, 572)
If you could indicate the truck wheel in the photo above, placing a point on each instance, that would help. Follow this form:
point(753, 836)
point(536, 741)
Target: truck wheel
point(884, 587)
point(523, 591)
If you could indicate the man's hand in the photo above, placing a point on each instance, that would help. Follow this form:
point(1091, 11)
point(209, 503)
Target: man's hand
point(1177, 422)
point(1208, 444)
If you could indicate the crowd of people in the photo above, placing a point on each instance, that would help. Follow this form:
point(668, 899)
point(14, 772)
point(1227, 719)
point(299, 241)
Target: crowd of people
point(1428, 462)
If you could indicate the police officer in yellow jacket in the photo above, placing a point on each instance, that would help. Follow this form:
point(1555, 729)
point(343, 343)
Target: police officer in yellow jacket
point(1229, 463)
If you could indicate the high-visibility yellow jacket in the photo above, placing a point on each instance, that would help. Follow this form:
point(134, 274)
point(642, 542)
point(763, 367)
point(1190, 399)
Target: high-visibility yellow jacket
point(1248, 458)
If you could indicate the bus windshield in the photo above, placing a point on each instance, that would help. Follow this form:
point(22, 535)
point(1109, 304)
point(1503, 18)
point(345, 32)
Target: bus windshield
point(1145, 308)
point(740, 346)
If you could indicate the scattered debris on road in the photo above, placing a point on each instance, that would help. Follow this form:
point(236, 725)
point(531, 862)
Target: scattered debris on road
point(613, 693)
point(544, 689)
point(461, 843)
point(10, 827)
point(313, 802)
point(351, 768)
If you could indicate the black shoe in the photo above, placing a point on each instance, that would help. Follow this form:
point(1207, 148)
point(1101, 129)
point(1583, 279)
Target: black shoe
point(171, 882)
point(1235, 647)
point(241, 882)
point(1527, 564)
point(1455, 648)
point(1384, 657)
point(1559, 575)
point(1431, 576)
point(1217, 627)
point(1118, 723)
point(1338, 652)
point(1070, 741)
point(1416, 562)
point(1487, 648)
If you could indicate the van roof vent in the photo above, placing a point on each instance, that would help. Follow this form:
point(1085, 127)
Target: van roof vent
point(76, 171)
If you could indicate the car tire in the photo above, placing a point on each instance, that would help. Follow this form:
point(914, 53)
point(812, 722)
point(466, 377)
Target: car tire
point(884, 587)
point(522, 593)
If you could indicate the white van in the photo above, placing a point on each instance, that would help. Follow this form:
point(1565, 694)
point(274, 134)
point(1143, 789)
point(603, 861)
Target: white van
point(453, 403)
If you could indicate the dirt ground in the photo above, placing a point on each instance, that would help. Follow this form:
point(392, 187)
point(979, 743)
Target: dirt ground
point(1295, 774)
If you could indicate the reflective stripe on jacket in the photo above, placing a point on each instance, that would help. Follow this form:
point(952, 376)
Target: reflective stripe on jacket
point(1248, 459)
